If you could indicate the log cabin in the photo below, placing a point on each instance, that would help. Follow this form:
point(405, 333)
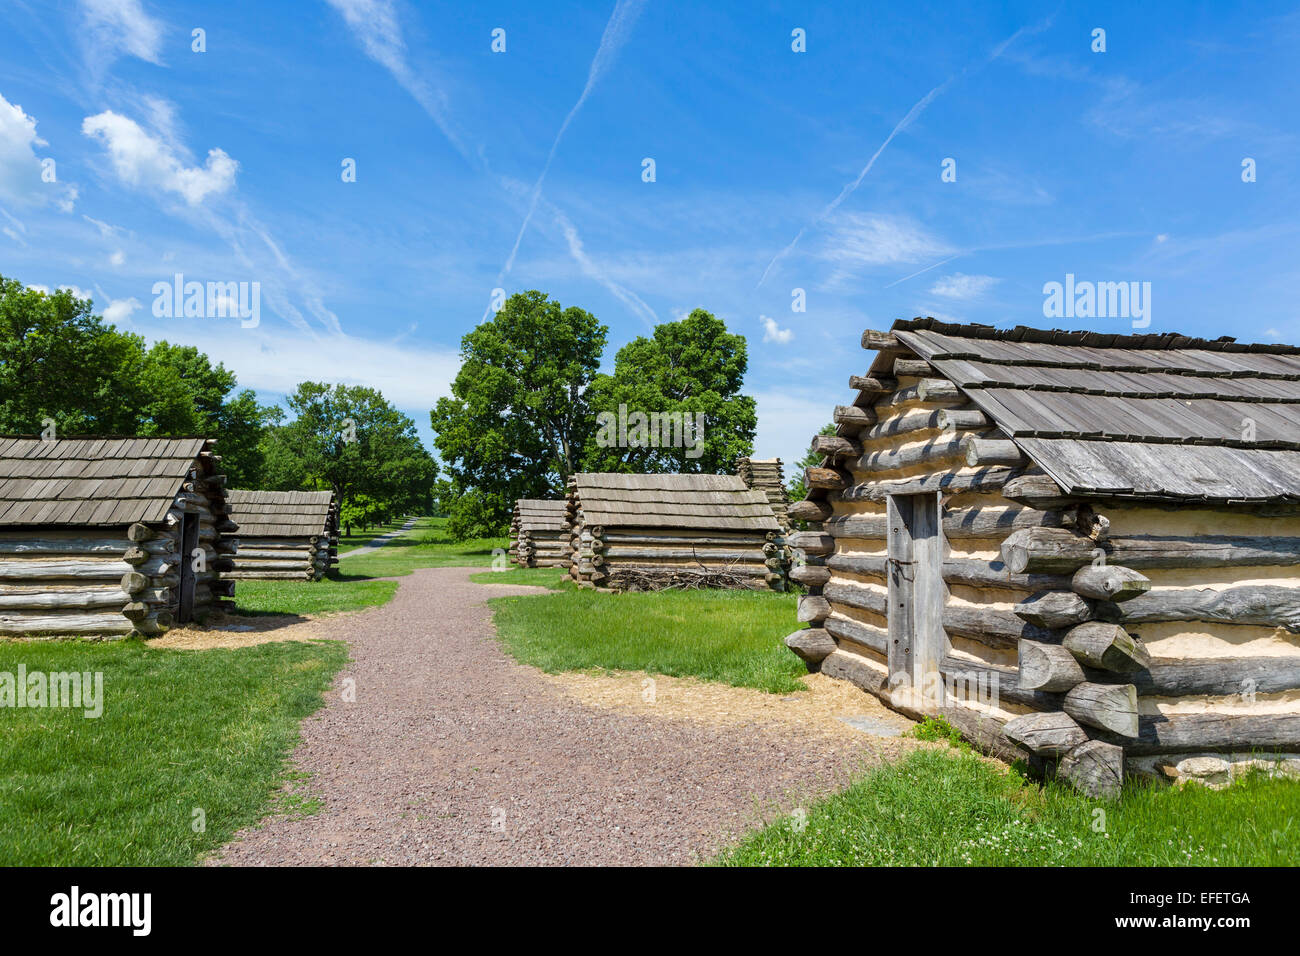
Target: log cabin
point(767, 475)
point(539, 533)
point(109, 536)
point(285, 535)
point(1082, 549)
point(632, 532)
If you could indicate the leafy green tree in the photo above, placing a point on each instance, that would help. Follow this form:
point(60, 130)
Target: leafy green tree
point(690, 368)
point(518, 417)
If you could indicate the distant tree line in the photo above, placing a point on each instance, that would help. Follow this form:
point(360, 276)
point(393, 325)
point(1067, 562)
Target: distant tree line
point(530, 407)
point(65, 371)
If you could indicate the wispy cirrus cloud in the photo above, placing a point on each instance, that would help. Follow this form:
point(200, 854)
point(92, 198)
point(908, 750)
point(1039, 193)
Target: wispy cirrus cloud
point(121, 28)
point(962, 286)
point(860, 241)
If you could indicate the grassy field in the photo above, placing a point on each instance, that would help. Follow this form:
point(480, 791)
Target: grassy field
point(728, 636)
point(556, 579)
point(427, 545)
point(950, 808)
point(180, 731)
point(311, 597)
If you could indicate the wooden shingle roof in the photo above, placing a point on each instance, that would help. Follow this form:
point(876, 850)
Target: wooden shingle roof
point(720, 502)
point(280, 514)
point(92, 481)
point(1149, 416)
point(541, 514)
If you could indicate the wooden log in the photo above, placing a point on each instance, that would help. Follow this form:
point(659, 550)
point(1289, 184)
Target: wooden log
point(136, 611)
point(134, 581)
point(812, 644)
point(1215, 733)
point(1265, 605)
point(1060, 550)
point(916, 368)
point(853, 415)
point(704, 554)
point(1048, 667)
point(937, 390)
point(1051, 734)
point(810, 510)
point(51, 622)
point(1111, 707)
point(942, 451)
point(809, 575)
point(812, 608)
point(855, 632)
point(811, 542)
point(958, 523)
point(140, 532)
point(51, 542)
point(827, 479)
point(1109, 583)
point(965, 419)
point(1106, 647)
point(989, 451)
point(1217, 676)
point(993, 684)
point(869, 386)
point(46, 568)
point(1053, 609)
point(1094, 768)
point(972, 572)
point(844, 665)
point(1037, 491)
point(874, 341)
point(834, 446)
point(992, 627)
point(81, 598)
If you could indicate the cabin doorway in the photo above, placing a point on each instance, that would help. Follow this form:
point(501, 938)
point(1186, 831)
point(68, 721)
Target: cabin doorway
point(917, 642)
point(189, 543)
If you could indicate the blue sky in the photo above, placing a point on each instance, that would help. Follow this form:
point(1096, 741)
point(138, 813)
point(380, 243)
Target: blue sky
point(775, 170)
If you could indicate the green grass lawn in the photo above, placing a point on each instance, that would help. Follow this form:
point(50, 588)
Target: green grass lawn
point(556, 579)
point(728, 636)
point(359, 538)
point(427, 545)
point(180, 731)
point(949, 808)
point(310, 597)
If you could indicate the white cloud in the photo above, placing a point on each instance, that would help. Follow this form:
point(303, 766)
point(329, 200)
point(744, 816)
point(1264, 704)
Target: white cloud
point(864, 240)
point(774, 333)
point(120, 310)
point(20, 167)
point(123, 27)
point(118, 257)
point(144, 160)
point(961, 286)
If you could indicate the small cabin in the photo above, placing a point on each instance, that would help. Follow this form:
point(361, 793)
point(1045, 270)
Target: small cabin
point(1081, 548)
point(767, 475)
point(285, 535)
point(109, 536)
point(539, 533)
point(648, 532)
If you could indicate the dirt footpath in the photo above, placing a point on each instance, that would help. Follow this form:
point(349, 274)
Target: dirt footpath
point(451, 753)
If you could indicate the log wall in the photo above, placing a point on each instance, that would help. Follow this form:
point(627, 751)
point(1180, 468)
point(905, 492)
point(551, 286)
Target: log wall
point(306, 558)
point(1183, 643)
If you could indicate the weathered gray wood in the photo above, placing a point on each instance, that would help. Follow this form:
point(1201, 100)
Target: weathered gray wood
point(812, 645)
point(1266, 605)
point(1037, 491)
point(140, 532)
point(810, 510)
point(812, 608)
point(1109, 583)
point(1220, 676)
point(972, 572)
point(869, 636)
point(1094, 768)
point(1111, 707)
point(1002, 684)
point(912, 367)
point(1053, 609)
point(51, 541)
point(967, 419)
point(988, 480)
point(1107, 647)
point(901, 582)
point(940, 451)
point(989, 451)
point(993, 627)
point(876, 341)
point(811, 542)
point(835, 446)
point(1062, 550)
point(826, 479)
point(1048, 667)
point(869, 386)
point(853, 415)
point(958, 523)
point(843, 665)
point(14, 622)
point(937, 389)
point(810, 575)
point(1050, 734)
point(1217, 733)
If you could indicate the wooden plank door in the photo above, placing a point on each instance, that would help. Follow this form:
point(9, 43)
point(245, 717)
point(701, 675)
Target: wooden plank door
point(189, 542)
point(917, 641)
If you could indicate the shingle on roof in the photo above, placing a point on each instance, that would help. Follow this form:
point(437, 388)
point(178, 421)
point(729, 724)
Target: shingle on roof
point(720, 502)
point(1152, 416)
point(280, 514)
point(92, 481)
point(541, 514)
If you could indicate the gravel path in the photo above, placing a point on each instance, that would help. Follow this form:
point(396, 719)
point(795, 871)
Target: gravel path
point(454, 754)
point(379, 542)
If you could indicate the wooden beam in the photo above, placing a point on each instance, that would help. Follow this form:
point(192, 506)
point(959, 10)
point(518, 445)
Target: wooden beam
point(1060, 551)
point(1048, 667)
point(958, 523)
point(989, 451)
point(854, 415)
point(1216, 733)
point(939, 452)
point(811, 542)
point(875, 341)
point(937, 390)
point(872, 386)
point(826, 479)
point(835, 446)
point(962, 419)
point(1107, 647)
point(812, 644)
point(1111, 707)
point(1037, 491)
point(915, 368)
point(812, 608)
point(1265, 605)
point(1109, 583)
point(810, 510)
point(979, 482)
point(810, 575)
point(867, 635)
point(1051, 734)
point(1053, 609)
point(1094, 768)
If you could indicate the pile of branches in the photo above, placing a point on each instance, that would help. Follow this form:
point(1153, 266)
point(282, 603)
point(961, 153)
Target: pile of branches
point(676, 579)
